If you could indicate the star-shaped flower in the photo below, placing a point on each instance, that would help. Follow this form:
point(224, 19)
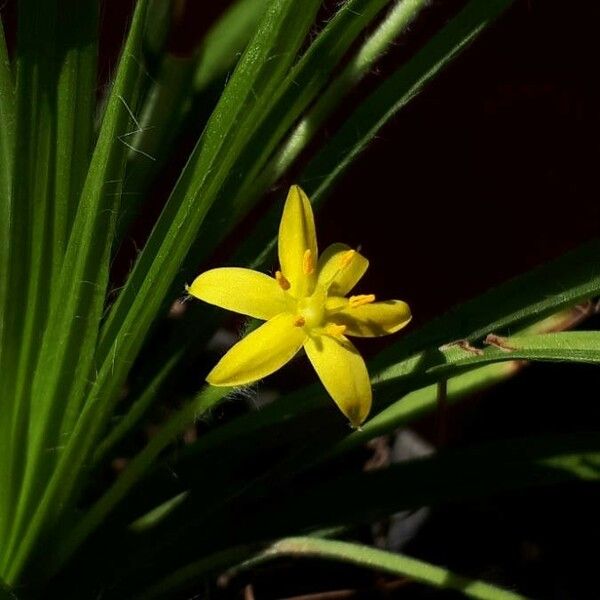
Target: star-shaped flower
point(304, 305)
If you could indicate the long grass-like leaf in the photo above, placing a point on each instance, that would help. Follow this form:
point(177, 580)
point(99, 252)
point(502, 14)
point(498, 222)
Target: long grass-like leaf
point(28, 273)
point(71, 334)
point(7, 118)
point(347, 552)
point(373, 558)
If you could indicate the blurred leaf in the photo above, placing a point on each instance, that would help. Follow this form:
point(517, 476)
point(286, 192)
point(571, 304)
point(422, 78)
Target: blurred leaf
point(70, 337)
point(227, 38)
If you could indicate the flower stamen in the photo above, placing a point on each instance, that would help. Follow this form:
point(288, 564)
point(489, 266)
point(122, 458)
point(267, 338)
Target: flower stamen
point(284, 284)
point(335, 330)
point(360, 300)
point(308, 262)
point(347, 258)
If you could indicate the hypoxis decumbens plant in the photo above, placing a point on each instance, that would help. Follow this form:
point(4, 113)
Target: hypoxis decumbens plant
point(75, 380)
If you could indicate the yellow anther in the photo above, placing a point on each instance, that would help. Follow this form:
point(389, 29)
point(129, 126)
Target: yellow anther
point(300, 321)
point(284, 284)
point(308, 263)
point(347, 258)
point(335, 330)
point(356, 301)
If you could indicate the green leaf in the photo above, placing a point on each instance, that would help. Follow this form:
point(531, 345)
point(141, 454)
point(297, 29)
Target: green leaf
point(225, 41)
point(75, 107)
point(373, 558)
point(56, 84)
point(31, 264)
point(71, 334)
point(7, 118)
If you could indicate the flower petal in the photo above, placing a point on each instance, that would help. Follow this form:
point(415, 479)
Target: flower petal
point(341, 268)
point(298, 243)
point(374, 319)
point(260, 353)
point(241, 290)
point(343, 373)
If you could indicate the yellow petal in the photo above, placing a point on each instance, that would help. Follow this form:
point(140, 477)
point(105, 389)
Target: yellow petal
point(343, 373)
point(260, 353)
point(371, 320)
point(341, 268)
point(298, 243)
point(241, 290)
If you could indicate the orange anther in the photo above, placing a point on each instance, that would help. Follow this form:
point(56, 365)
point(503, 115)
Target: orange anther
point(356, 301)
point(284, 284)
point(308, 262)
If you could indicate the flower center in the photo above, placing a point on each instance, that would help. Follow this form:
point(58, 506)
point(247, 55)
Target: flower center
point(312, 308)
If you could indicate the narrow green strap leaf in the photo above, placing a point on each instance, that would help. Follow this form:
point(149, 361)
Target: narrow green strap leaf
point(27, 279)
point(379, 560)
point(7, 118)
point(74, 325)
point(445, 362)
point(253, 83)
point(7, 131)
point(75, 106)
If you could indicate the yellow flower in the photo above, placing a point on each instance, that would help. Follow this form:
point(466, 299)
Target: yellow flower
point(304, 305)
